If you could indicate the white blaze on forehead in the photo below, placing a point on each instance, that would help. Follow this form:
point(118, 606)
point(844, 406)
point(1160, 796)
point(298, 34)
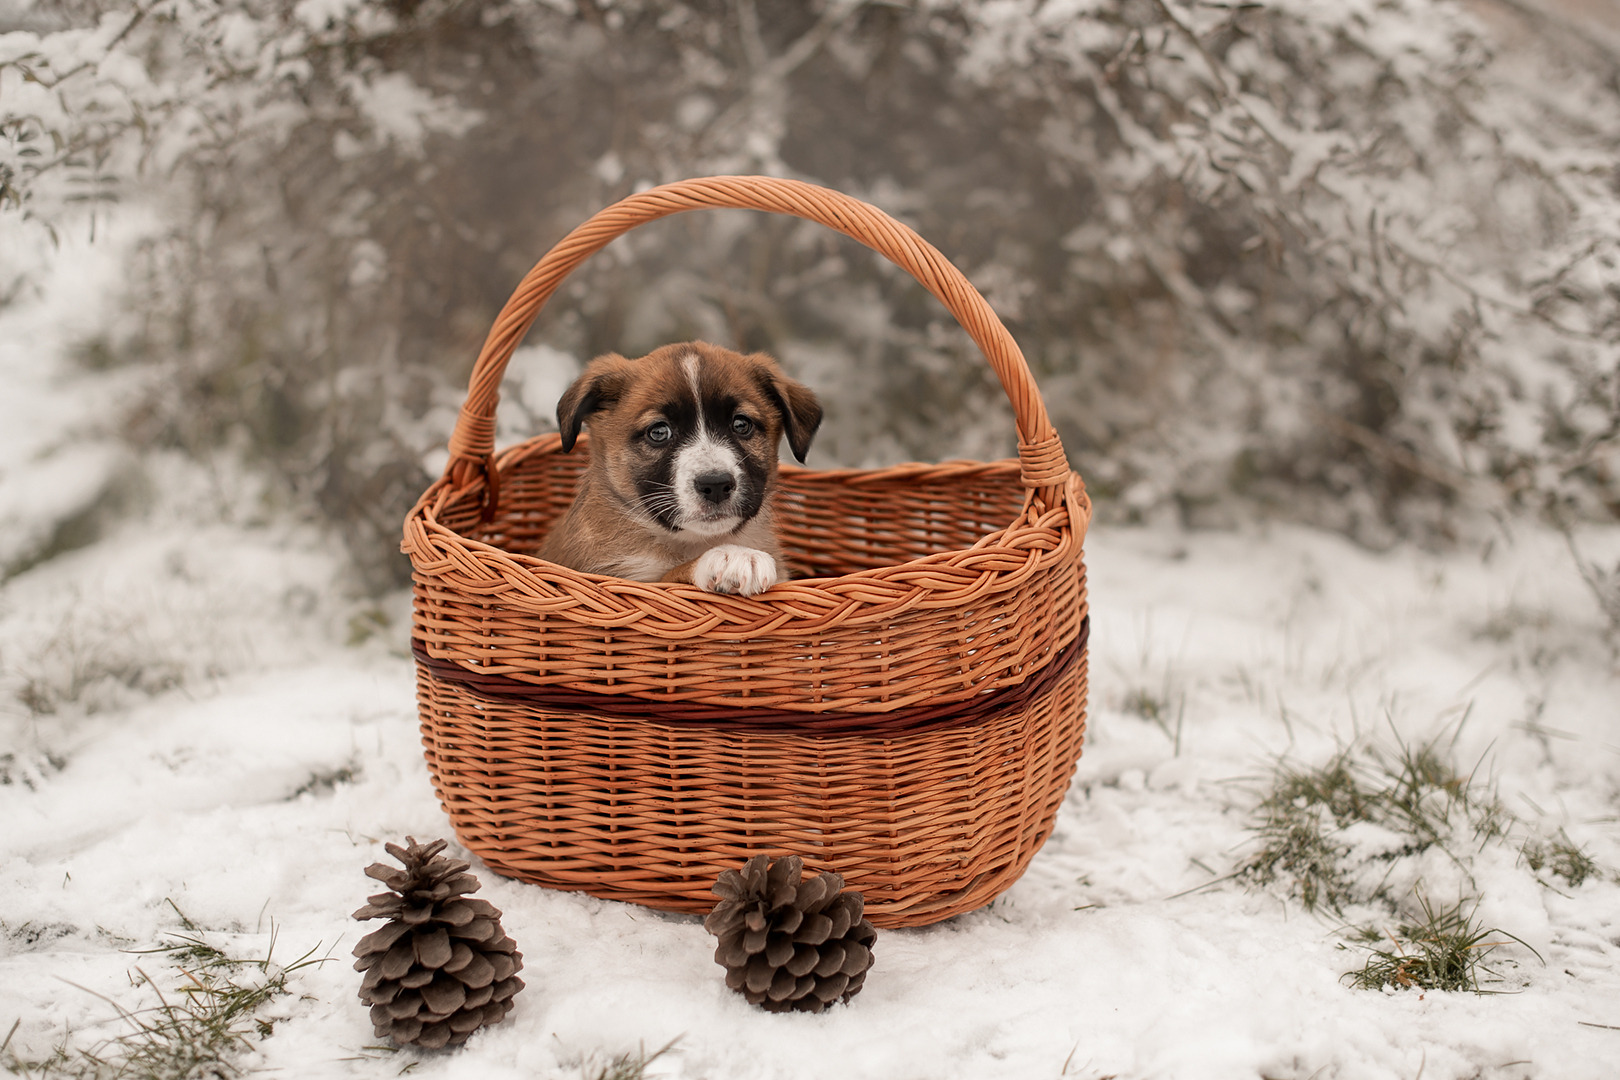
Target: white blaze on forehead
point(689, 364)
point(704, 454)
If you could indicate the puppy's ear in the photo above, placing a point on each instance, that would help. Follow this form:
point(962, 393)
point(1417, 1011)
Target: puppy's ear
point(801, 412)
point(598, 387)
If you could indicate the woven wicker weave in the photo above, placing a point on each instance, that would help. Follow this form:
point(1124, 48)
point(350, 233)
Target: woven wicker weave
point(907, 713)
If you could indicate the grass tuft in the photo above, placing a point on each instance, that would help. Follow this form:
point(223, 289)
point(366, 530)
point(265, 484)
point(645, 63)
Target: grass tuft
point(1423, 792)
point(1439, 950)
point(31, 769)
point(1298, 823)
point(91, 663)
point(1412, 790)
point(1157, 710)
point(197, 1029)
point(325, 781)
point(632, 1066)
point(1334, 786)
point(1560, 856)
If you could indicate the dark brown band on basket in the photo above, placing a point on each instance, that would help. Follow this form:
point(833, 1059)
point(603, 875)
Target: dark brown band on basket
point(680, 714)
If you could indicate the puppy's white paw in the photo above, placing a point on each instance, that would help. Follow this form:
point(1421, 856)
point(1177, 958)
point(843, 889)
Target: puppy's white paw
point(732, 568)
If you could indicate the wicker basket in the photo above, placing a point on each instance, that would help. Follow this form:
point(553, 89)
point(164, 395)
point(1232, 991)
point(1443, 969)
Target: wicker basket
point(908, 713)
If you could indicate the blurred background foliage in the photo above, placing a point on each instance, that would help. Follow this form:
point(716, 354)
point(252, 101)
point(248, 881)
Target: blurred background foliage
point(1351, 262)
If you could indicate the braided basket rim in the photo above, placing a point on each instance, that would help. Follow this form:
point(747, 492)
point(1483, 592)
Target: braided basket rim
point(680, 610)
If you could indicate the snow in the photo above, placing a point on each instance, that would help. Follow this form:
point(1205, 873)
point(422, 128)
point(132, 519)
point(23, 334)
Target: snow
point(222, 736)
point(405, 113)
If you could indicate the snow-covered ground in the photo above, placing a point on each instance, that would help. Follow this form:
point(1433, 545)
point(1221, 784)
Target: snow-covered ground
point(194, 709)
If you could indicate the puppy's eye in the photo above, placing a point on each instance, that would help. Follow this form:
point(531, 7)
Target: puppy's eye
point(742, 427)
point(658, 434)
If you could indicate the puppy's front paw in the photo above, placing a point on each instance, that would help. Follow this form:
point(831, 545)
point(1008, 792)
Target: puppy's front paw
point(732, 568)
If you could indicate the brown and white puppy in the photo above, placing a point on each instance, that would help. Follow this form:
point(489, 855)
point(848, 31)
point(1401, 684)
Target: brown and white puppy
point(682, 473)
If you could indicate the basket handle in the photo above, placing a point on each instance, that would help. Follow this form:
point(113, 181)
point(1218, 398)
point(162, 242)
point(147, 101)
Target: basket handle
point(1043, 467)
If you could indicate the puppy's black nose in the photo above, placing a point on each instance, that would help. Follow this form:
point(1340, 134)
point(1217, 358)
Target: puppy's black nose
point(715, 487)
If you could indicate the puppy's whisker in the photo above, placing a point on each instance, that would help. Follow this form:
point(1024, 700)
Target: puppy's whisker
point(660, 503)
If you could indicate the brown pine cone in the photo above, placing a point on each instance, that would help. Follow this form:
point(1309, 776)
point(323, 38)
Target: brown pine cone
point(788, 943)
point(441, 967)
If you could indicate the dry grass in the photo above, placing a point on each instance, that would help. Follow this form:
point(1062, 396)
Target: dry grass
point(630, 1066)
point(200, 1027)
point(1441, 949)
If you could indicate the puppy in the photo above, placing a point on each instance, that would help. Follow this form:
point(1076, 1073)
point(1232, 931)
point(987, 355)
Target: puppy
point(682, 473)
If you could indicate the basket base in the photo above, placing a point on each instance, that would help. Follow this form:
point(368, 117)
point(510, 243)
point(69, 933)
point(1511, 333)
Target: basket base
point(927, 816)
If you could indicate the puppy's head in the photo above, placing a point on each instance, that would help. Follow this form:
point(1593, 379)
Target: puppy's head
point(686, 436)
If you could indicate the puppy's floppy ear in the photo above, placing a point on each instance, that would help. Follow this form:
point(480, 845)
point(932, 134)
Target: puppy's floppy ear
point(598, 387)
point(801, 412)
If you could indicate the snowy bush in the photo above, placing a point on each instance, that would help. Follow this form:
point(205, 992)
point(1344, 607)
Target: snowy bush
point(1348, 261)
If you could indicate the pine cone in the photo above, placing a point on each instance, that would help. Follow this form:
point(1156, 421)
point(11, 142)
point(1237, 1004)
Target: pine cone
point(787, 943)
point(442, 967)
